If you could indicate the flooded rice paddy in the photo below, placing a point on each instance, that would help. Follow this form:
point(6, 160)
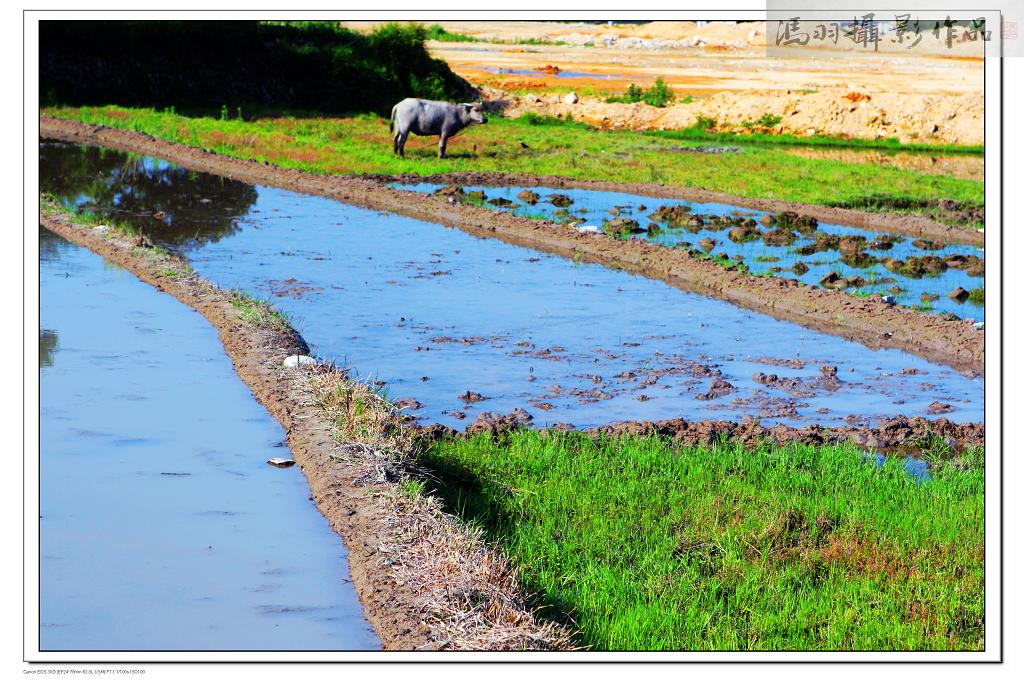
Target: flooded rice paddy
point(457, 325)
point(162, 527)
point(916, 272)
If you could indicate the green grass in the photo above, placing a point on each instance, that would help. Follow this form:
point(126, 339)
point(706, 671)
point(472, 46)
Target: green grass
point(977, 296)
point(555, 147)
point(647, 545)
point(258, 311)
point(658, 95)
point(704, 131)
point(441, 34)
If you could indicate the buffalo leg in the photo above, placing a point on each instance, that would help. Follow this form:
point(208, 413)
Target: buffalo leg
point(441, 147)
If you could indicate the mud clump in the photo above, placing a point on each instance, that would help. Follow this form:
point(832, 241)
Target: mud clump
point(528, 197)
point(708, 244)
point(940, 408)
point(408, 404)
point(623, 226)
point(501, 202)
point(917, 267)
point(897, 432)
point(791, 220)
point(494, 422)
point(472, 397)
point(928, 245)
point(830, 280)
point(779, 238)
point(449, 191)
point(744, 233)
point(800, 268)
point(719, 388)
point(559, 200)
point(675, 216)
point(959, 294)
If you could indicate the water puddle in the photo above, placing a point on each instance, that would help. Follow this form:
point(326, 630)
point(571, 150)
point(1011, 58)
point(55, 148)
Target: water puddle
point(541, 72)
point(460, 325)
point(162, 527)
point(923, 276)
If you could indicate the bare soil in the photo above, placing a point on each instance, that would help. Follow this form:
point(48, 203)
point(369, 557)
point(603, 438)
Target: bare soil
point(930, 93)
point(869, 320)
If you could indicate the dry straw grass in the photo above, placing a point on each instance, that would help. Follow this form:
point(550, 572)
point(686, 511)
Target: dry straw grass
point(470, 595)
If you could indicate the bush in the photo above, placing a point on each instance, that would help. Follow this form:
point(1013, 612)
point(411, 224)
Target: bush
point(658, 95)
point(265, 67)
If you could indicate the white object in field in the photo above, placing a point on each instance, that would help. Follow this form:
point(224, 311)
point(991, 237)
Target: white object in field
point(293, 361)
point(979, 325)
point(572, 98)
point(280, 462)
point(585, 229)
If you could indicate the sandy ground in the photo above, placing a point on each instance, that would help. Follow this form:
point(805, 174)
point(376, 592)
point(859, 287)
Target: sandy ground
point(928, 94)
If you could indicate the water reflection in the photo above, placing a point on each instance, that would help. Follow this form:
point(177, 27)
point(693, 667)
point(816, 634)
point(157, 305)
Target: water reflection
point(172, 205)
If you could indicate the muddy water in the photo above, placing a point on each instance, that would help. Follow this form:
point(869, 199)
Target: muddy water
point(928, 292)
point(439, 315)
point(161, 525)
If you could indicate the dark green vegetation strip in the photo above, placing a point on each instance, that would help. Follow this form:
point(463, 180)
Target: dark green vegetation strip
point(705, 133)
point(533, 146)
point(652, 546)
point(234, 67)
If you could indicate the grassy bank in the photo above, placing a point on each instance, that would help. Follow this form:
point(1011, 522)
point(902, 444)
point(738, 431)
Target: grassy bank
point(648, 545)
point(547, 147)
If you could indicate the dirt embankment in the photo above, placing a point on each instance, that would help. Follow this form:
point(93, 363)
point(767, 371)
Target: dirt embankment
point(425, 580)
point(904, 435)
point(869, 321)
point(949, 119)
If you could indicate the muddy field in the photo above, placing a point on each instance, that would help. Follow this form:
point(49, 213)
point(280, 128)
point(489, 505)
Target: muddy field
point(869, 321)
point(568, 341)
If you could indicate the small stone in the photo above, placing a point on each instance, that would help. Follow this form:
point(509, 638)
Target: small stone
point(571, 98)
point(293, 361)
point(281, 462)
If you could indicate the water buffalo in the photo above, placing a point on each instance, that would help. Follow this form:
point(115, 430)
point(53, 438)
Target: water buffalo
point(426, 117)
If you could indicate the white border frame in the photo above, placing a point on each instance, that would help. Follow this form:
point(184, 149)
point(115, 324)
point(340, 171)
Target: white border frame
point(993, 478)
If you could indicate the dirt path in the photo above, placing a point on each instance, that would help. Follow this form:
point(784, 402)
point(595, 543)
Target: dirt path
point(869, 321)
point(412, 566)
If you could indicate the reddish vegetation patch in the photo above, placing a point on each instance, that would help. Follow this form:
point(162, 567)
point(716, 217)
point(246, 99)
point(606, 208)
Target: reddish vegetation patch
point(860, 556)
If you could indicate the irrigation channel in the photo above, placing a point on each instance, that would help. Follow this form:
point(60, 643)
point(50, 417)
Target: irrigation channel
point(456, 325)
point(162, 527)
point(858, 255)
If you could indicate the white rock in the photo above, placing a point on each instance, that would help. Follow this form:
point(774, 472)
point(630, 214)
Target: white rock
point(571, 98)
point(101, 228)
point(281, 462)
point(293, 361)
